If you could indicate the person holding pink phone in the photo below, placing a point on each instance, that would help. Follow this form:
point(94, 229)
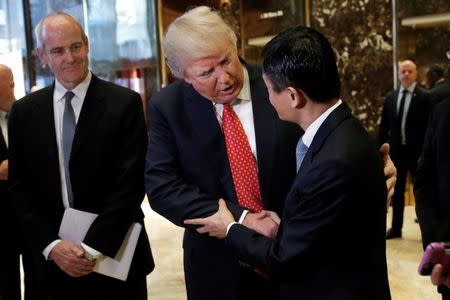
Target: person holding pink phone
point(432, 186)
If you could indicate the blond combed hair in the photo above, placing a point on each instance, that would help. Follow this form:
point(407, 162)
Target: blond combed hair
point(197, 33)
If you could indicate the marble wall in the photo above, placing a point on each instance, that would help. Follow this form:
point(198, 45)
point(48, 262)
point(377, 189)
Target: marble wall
point(360, 32)
point(425, 45)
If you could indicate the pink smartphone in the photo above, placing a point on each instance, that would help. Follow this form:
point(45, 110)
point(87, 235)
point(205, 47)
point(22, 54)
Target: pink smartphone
point(435, 253)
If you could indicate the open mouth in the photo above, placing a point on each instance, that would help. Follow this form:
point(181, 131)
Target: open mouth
point(228, 89)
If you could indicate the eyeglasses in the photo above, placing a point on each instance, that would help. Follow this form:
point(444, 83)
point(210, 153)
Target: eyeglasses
point(448, 54)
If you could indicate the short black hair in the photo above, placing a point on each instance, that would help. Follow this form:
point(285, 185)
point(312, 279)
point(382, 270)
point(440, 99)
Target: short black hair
point(302, 57)
point(437, 70)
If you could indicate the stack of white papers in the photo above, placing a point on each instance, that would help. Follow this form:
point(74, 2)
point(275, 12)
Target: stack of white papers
point(74, 226)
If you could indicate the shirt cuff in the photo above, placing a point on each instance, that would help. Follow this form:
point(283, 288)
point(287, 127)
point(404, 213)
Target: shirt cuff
point(91, 253)
point(241, 219)
point(49, 248)
point(229, 226)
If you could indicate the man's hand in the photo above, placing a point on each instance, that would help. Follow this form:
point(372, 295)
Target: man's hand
point(265, 223)
point(69, 257)
point(4, 170)
point(215, 225)
point(390, 172)
point(437, 276)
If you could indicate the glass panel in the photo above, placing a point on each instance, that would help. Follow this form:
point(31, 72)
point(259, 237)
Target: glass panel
point(262, 20)
point(12, 42)
point(39, 9)
point(122, 40)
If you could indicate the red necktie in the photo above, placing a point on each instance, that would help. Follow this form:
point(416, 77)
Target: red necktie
point(242, 162)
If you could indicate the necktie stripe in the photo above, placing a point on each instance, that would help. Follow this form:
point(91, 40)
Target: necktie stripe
point(68, 132)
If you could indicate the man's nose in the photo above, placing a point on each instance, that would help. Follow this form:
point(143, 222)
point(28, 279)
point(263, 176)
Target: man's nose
point(224, 75)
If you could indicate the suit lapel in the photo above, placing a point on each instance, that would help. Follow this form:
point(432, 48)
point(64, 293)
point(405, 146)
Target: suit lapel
point(265, 121)
point(202, 117)
point(91, 113)
point(410, 115)
point(336, 117)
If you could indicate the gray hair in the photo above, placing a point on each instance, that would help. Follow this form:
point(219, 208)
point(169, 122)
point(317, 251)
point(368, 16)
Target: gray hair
point(39, 27)
point(197, 33)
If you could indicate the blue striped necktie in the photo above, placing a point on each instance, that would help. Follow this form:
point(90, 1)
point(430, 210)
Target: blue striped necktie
point(68, 131)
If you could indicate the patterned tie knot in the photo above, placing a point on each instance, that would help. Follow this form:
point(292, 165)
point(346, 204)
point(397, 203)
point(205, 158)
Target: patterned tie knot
point(68, 96)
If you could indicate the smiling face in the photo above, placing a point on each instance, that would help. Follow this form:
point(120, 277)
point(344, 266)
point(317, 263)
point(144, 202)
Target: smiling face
point(218, 77)
point(64, 50)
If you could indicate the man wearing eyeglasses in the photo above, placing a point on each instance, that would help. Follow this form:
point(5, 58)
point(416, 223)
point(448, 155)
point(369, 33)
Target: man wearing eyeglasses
point(432, 187)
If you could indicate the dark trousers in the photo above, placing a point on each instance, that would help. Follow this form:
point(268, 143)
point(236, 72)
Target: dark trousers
point(445, 292)
point(10, 254)
point(404, 164)
point(10, 273)
point(57, 285)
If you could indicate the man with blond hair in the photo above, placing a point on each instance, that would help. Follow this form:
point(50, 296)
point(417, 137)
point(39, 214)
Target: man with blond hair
point(214, 134)
point(403, 124)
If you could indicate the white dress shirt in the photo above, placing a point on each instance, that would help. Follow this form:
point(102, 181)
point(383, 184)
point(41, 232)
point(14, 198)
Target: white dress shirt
point(58, 109)
point(244, 111)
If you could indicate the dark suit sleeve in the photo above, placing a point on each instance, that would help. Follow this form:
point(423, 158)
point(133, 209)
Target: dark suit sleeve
point(425, 186)
point(121, 204)
point(169, 190)
point(315, 217)
point(36, 228)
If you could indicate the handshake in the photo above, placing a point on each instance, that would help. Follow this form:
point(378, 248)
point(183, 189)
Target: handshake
point(264, 222)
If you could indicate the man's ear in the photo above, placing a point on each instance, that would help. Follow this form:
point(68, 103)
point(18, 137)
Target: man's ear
point(42, 57)
point(298, 99)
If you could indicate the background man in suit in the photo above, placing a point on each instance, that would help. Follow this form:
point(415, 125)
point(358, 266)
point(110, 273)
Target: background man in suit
point(432, 187)
point(10, 270)
point(99, 171)
point(188, 158)
point(403, 124)
point(439, 87)
point(340, 173)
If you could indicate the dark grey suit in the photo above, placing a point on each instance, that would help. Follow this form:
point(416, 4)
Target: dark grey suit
point(340, 183)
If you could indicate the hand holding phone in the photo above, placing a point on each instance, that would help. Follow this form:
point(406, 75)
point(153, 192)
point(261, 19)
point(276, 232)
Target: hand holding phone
point(435, 253)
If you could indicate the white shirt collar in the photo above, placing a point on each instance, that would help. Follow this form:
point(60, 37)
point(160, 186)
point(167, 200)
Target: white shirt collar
point(410, 88)
point(245, 94)
point(312, 129)
point(80, 90)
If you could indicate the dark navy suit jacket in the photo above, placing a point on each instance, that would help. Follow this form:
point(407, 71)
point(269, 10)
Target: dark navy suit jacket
point(332, 239)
